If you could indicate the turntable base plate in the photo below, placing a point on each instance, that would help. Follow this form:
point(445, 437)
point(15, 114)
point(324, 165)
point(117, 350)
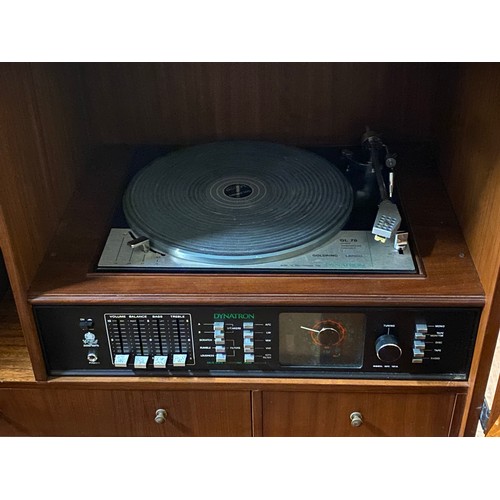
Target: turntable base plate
point(348, 251)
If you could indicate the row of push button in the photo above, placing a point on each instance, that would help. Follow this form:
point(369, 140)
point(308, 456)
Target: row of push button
point(248, 342)
point(141, 362)
point(419, 342)
point(220, 342)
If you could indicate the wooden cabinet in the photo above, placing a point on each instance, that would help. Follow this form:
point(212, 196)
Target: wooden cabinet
point(316, 414)
point(55, 120)
point(116, 412)
point(74, 412)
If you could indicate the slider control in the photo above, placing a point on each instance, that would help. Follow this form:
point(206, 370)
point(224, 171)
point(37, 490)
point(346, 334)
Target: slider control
point(179, 359)
point(160, 361)
point(141, 362)
point(121, 360)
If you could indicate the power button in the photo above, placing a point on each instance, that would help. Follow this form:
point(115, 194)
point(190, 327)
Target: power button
point(86, 323)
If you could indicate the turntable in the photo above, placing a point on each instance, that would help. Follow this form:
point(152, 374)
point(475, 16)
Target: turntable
point(256, 206)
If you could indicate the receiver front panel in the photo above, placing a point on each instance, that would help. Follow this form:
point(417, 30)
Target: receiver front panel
point(372, 342)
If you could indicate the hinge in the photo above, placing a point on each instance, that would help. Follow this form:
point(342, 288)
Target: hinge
point(484, 416)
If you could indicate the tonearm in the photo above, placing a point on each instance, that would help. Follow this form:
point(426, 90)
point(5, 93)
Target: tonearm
point(388, 218)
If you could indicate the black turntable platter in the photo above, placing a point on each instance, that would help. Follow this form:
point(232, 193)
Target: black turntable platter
point(238, 202)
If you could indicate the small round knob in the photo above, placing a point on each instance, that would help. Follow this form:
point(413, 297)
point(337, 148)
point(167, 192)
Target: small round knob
point(356, 419)
point(160, 416)
point(92, 357)
point(387, 348)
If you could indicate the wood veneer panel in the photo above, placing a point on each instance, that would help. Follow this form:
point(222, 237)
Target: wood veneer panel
point(24, 316)
point(181, 103)
point(471, 169)
point(327, 414)
point(257, 413)
point(471, 165)
point(458, 415)
point(43, 152)
point(39, 412)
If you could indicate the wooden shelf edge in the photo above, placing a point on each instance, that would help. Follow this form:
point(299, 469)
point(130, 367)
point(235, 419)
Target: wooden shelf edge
point(250, 384)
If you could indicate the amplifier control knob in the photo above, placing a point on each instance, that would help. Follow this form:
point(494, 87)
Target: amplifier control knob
point(92, 357)
point(387, 348)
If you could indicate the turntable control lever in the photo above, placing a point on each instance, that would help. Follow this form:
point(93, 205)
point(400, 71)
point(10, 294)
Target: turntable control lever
point(141, 242)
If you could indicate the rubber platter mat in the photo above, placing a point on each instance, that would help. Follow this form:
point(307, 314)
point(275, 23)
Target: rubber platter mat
point(238, 201)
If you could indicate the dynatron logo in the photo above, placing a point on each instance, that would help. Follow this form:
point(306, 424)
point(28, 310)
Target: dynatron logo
point(234, 316)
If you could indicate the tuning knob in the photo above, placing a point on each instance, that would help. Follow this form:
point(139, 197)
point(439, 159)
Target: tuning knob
point(387, 348)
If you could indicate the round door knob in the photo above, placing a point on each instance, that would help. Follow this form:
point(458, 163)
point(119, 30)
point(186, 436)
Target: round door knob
point(387, 348)
point(160, 416)
point(356, 419)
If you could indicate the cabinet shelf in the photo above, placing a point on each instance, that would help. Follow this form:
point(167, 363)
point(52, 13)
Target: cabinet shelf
point(15, 364)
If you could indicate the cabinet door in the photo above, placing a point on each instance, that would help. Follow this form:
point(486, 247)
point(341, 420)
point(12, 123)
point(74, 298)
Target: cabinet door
point(329, 414)
point(67, 412)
